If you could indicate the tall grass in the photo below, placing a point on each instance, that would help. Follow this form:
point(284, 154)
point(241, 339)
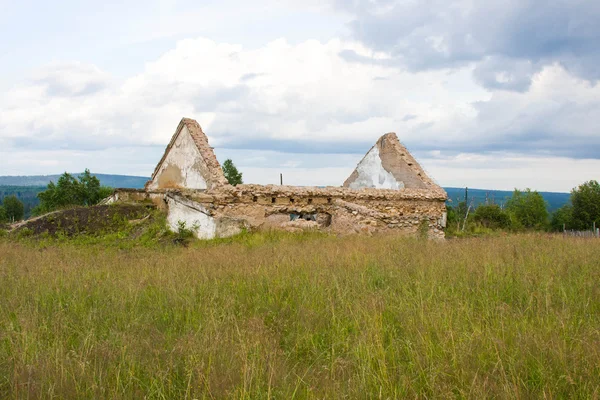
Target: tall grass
point(279, 316)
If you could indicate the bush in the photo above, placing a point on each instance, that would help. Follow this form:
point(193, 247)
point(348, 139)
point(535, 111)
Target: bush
point(492, 216)
point(528, 210)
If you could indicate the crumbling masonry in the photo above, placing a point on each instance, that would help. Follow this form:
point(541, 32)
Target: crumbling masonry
point(387, 192)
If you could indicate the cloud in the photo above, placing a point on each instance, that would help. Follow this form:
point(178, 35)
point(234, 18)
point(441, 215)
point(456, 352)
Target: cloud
point(299, 101)
point(510, 39)
point(71, 79)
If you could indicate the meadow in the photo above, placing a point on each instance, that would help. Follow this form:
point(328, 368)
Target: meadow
point(302, 316)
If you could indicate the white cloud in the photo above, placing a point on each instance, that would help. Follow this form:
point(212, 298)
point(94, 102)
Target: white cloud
point(298, 98)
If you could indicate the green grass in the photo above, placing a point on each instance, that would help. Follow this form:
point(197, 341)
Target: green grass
point(302, 316)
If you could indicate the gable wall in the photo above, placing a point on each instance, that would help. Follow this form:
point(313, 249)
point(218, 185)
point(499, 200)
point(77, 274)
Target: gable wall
point(182, 166)
point(370, 173)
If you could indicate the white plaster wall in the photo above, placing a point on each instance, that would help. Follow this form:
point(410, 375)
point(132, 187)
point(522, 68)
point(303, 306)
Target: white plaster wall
point(371, 174)
point(185, 155)
point(195, 218)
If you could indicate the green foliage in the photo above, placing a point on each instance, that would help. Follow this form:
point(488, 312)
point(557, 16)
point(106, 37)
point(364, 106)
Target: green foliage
point(455, 217)
point(70, 191)
point(3, 217)
point(234, 177)
point(586, 205)
point(562, 218)
point(13, 208)
point(26, 194)
point(492, 216)
point(528, 210)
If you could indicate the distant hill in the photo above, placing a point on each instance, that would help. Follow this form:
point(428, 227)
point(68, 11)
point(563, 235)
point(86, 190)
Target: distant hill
point(115, 181)
point(479, 196)
point(26, 188)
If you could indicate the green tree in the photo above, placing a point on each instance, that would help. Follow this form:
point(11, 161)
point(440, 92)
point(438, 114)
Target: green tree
point(528, 209)
point(3, 217)
point(234, 177)
point(492, 216)
point(563, 217)
point(586, 205)
point(13, 208)
point(90, 190)
point(70, 191)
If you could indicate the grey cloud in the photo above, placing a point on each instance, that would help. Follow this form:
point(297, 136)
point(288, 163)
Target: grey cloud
point(433, 34)
point(408, 117)
point(249, 77)
point(505, 74)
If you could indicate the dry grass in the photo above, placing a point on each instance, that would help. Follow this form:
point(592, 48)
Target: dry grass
point(302, 317)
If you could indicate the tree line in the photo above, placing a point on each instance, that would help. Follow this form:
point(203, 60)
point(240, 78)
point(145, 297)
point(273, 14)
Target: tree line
point(68, 191)
point(527, 211)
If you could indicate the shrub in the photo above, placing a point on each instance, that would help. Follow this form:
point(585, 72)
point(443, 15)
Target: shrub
point(528, 210)
point(492, 216)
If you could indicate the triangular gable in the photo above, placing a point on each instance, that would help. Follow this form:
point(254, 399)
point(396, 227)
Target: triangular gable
point(389, 165)
point(189, 162)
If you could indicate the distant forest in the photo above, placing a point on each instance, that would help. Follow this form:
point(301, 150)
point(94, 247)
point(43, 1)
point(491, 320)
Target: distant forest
point(482, 196)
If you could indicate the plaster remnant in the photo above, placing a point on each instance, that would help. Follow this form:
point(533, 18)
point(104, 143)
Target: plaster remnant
point(372, 174)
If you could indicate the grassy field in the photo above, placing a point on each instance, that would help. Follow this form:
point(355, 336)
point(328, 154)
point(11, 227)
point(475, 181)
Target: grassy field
point(309, 316)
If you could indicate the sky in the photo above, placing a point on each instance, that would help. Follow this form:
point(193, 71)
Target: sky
point(495, 94)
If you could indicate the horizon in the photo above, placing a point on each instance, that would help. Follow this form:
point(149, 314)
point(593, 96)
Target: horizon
point(514, 102)
point(148, 177)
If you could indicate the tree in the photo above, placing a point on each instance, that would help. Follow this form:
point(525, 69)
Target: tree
point(3, 217)
point(13, 208)
point(70, 191)
point(528, 209)
point(586, 205)
point(90, 190)
point(562, 218)
point(234, 177)
point(492, 216)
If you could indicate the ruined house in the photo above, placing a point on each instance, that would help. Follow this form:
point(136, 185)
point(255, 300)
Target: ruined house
point(387, 192)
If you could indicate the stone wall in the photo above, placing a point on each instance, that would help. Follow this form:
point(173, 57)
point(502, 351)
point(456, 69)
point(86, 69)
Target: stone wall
point(227, 210)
